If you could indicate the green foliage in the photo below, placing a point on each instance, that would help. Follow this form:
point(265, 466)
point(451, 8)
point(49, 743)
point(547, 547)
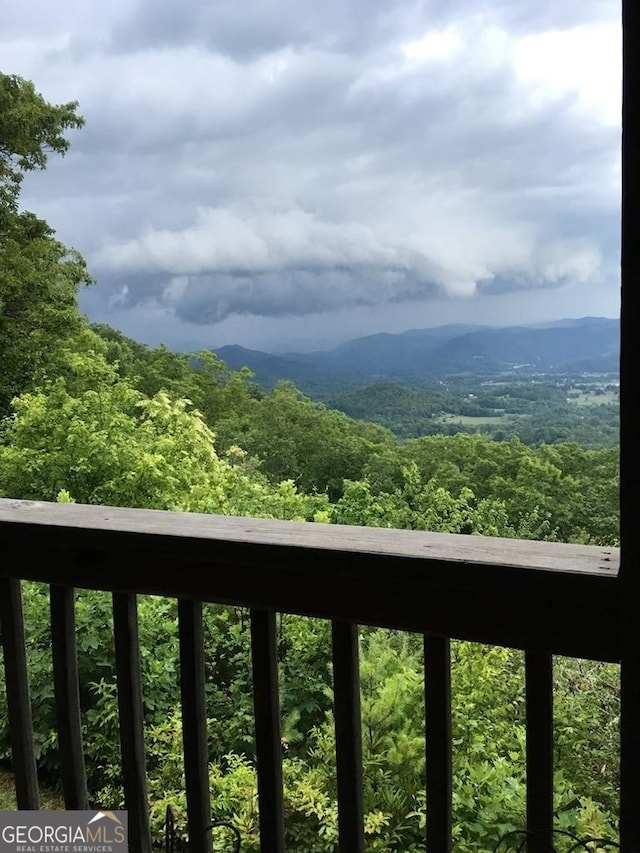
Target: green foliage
point(397, 407)
point(421, 506)
point(297, 439)
point(587, 736)
point(218, 393)
point(39, 280)
point(304, 654)
point(30, 128)
point(393, 735)
point(109, 444)
point(559, 493)
point(39, 276)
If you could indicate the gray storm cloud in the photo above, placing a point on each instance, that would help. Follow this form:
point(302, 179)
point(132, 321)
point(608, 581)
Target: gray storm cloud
point(292, 158)
point(288, 264)
point(437, 168)
point(257, 27)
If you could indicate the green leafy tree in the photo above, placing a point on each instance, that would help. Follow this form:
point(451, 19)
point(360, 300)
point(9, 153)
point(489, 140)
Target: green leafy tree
point(30, 129)
point(39, 276)
point(297, 439)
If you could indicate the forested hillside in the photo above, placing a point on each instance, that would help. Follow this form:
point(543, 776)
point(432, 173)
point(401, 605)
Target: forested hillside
point(89, 415)
point(540, 410)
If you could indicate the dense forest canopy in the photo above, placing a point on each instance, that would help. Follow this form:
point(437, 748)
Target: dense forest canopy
point(90, 415)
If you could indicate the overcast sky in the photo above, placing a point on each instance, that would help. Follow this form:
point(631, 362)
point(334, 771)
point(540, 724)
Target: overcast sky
point(290, 173)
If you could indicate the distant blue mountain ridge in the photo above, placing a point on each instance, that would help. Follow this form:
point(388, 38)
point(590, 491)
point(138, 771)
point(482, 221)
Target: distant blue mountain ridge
point(585, 345)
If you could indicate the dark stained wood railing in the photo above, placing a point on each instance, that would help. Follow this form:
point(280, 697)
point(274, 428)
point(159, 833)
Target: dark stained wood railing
point(67, 696)
point(544, 598)
point(502, 591)
point(18, 696)
point(346, 688)
point(194, 721)
point(264, 657)
point(539, 727)
point(437, 683)
point(131, 719)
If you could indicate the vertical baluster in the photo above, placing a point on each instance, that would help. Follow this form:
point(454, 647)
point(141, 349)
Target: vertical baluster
point(18, 696)
point(194, 724)
point(65, 678)
point(348, 726)
point(268, 744)
point(437, 682)
point(539, 698)
point(134, 771)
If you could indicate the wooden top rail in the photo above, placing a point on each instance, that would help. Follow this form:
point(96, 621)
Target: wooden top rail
point(558, 597)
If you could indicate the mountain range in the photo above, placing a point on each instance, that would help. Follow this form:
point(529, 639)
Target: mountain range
point(574, 346)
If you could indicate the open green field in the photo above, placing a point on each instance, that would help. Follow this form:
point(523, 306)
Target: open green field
point(588, 398)
point(472, 420)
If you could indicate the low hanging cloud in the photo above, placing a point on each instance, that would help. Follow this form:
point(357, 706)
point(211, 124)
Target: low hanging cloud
point(222, 240)
point(270, 263)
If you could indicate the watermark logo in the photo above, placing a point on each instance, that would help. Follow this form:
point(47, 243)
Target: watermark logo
point(63, 832)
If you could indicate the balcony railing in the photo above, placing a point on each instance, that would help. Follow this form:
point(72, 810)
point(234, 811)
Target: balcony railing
point(544, 598)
